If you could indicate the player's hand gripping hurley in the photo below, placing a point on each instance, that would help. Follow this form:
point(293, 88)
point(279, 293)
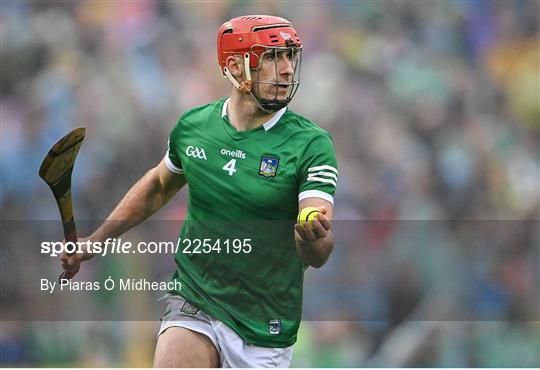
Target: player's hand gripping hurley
point(56, 171)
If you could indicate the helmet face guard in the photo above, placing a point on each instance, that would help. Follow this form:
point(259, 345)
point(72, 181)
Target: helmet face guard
point(256, 38)
point(274, 103)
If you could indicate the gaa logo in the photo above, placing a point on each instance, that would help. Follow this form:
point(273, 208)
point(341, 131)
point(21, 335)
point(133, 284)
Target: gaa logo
point(193, 151)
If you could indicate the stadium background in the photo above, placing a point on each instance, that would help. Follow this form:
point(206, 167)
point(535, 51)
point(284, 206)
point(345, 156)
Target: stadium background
point(434, 112)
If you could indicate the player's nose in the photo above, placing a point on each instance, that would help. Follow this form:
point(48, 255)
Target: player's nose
point(285, 66)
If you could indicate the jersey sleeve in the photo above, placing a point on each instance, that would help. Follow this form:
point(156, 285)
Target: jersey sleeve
point(172, 157)
point(318, 171)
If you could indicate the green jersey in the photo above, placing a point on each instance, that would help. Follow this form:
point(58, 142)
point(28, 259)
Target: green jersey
point(237, 258)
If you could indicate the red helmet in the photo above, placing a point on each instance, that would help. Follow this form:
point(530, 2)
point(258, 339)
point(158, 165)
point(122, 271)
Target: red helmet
point(240, 34)
point(250, 36)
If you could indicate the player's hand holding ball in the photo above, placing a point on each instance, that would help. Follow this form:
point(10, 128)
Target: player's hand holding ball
point(312, 224)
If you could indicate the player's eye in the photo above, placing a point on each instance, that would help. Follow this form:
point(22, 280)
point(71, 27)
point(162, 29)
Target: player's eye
point(270, 55)
point(290, 54)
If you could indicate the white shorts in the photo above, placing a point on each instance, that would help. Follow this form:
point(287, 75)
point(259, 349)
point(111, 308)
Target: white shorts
point(233, 351)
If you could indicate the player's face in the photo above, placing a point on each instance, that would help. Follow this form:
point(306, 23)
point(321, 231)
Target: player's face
point(276, 73)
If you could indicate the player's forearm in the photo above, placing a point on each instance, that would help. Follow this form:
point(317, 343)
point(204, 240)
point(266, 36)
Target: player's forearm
point(316, 253)
point(140, 202)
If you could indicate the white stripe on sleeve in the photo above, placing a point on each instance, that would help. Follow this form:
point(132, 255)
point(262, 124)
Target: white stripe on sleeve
point(315, 194)
point(320, 179)
point(324, 167)
point(171, 165)
point(322, 173)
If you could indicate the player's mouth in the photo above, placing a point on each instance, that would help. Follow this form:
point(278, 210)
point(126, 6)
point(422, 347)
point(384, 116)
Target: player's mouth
point(283, 86)
point(280, 89)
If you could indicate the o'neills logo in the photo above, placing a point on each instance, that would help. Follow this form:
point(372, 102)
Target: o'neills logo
point(234, 153)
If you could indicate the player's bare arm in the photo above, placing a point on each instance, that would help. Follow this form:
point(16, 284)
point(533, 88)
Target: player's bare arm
point(315, 242)
point(146, 197)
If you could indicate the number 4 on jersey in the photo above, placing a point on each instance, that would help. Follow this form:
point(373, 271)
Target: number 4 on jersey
point(230, 167)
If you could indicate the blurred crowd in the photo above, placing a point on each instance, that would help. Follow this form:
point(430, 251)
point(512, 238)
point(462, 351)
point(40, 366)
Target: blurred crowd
point(434, 110)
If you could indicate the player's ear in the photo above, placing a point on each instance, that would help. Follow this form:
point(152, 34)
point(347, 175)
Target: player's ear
point(235, 65)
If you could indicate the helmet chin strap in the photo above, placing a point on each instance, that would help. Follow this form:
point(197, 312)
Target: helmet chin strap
point(246, 87)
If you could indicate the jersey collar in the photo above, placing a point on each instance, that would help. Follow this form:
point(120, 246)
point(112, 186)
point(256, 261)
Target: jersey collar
point(267, 125)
